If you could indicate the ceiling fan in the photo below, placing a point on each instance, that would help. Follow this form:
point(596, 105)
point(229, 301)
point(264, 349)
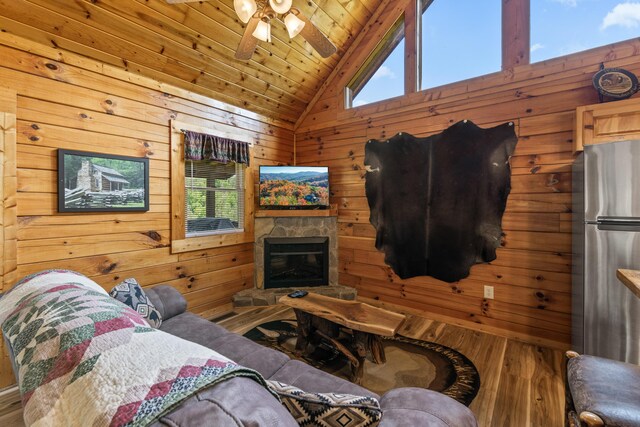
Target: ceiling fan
point(258, 14)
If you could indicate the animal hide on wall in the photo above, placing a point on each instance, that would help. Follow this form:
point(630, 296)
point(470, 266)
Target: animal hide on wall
point(437, 202)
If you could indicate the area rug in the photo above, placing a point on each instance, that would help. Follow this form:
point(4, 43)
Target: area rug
point(410, 362)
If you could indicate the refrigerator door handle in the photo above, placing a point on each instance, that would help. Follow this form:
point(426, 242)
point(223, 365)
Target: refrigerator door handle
point(618, 219)
point(618, 224)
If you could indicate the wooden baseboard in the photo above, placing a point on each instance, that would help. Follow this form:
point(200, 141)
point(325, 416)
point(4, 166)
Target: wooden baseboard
point(10, 400)
point(470, 325)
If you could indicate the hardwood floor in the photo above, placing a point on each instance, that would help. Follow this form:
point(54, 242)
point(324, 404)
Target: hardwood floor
point(521, 384)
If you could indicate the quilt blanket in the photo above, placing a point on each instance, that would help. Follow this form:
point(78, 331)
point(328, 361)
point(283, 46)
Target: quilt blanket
point(83, 358)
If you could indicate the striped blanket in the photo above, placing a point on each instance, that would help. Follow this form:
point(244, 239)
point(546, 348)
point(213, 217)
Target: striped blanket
point(85, 359)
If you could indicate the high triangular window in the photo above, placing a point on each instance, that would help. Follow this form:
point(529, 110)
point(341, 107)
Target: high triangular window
point(592, 24)
point(382, 75)
point(460, 39)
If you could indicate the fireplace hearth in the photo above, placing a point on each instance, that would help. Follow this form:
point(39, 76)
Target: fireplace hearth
point(296, 262)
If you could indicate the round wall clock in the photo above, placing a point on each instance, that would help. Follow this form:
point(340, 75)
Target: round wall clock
point(615, 83)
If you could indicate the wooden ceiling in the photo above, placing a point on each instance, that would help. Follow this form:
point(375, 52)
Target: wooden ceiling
point(192, 45)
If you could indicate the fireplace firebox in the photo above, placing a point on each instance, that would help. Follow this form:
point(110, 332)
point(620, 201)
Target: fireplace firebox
point(296, 262)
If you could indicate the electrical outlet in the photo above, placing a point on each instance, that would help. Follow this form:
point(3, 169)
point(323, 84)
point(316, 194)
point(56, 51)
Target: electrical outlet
point(488, 292)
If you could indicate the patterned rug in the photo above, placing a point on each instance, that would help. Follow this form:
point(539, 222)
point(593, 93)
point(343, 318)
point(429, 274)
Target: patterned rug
point(410, 362)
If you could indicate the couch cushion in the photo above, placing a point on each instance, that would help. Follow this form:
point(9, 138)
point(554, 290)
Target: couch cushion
point(308, 378)
point(241, 350)
point(194, 328)
point(167, 300)
point(247, 353)
point(413, 406)
point(236, 402)
point(328, 409)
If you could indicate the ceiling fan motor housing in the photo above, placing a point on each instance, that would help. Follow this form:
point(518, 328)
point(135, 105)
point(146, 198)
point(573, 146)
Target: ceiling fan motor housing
point(259, 26)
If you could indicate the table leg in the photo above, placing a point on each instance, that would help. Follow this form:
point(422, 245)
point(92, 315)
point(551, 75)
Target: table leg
point(303, 329)
point(363, 342)
point(377, 349)
point(357, 371)
point(366, 343)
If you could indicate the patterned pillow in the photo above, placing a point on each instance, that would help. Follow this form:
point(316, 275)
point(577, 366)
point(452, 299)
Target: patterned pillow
point(328, 409)
point(131, 293)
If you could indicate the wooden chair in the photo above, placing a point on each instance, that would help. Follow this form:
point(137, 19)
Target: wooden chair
point(601, 392)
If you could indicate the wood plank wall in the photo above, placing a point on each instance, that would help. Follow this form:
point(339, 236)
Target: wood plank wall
point(8, 185)
point(66, 101)
point(531, 274)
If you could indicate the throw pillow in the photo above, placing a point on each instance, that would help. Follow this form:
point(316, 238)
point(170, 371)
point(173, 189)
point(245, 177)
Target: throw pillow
point(131, 293)
point(328, 409)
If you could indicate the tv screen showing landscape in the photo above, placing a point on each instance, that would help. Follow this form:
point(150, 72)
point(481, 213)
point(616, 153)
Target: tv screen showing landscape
point(294, 187)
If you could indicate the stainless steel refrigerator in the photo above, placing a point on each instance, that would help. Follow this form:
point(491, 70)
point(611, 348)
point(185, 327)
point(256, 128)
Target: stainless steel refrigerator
point(606, 236)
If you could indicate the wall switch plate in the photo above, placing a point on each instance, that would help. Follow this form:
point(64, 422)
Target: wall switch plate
point(488, 292)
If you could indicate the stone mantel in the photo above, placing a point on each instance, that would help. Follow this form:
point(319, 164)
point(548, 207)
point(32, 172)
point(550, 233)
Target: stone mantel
point(297, 213)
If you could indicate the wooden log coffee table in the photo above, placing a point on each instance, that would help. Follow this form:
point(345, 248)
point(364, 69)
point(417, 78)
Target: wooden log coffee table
point(320, 316)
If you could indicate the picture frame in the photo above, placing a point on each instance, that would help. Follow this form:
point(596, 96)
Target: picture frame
point(97, 182)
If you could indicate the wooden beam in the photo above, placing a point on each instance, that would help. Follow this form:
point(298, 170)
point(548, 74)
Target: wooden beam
point(515, 33)
point(412, 47)
point(177, 181)
point(8, 185)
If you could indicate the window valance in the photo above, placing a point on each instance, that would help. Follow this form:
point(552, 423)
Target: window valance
point(201, 146)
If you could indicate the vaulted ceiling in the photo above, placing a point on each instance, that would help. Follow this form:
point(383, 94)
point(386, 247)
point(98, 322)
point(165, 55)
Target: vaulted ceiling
point(192, 45)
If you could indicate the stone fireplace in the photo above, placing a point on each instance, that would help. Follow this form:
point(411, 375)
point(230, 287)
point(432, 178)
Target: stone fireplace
point(293, 262)
point(294, 229)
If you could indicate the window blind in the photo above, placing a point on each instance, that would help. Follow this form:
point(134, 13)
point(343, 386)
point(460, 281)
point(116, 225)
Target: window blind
point(214, 197)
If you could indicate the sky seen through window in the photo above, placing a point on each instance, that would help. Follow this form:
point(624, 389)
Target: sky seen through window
point(461, 39)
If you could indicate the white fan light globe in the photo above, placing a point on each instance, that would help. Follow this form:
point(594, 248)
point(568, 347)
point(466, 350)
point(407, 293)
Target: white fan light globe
point(294, 24)
point(245, 9)
point(280, 6)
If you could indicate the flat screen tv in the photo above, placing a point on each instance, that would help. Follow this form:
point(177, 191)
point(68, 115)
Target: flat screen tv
point(294, 187)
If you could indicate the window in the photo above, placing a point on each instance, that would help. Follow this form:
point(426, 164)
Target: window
point(454, 40)
point(460, 39)
point(214, 197)
point(592, 24)
point(382, 75)
point(211, 200)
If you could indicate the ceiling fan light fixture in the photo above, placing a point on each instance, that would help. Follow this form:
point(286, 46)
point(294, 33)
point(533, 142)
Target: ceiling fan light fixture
point(280, 6)
point(294, 24)
point(245, 9)
point(263, 31)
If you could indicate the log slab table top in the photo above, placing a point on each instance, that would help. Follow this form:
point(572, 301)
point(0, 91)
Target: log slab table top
point(352, 314)
point(320, 318)
point(631, 279)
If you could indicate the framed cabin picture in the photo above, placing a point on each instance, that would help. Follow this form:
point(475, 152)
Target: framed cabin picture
point(95, 182)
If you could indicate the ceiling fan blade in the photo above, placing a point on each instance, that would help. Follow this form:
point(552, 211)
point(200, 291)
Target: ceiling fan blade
point(248, 42)
point(314, 36)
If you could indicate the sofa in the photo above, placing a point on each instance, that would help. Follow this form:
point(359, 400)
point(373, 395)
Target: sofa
point(242, 402)
point(137, 357)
